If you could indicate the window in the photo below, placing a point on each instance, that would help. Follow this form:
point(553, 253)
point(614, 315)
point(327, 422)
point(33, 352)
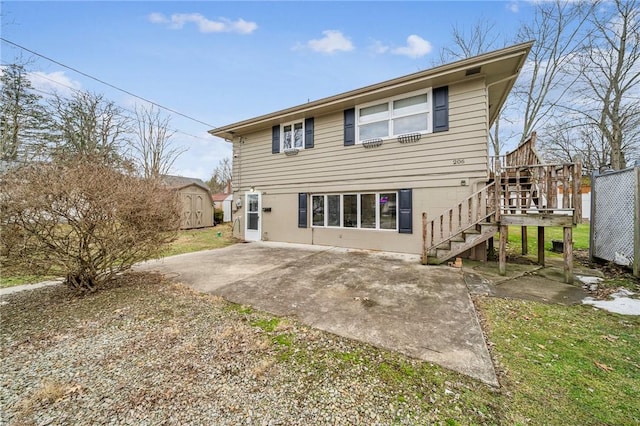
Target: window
point(363, 211)
point(387, 210)
point(368, 211)
point(333, 209)
point(396, 116)
point(318, 210)
point(350, 218)
point(292, 136)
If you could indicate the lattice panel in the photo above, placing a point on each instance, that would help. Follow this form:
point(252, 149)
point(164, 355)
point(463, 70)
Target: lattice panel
point(613, 219)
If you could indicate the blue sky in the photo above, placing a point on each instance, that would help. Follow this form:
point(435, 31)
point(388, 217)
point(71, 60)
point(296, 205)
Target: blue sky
point(221, 62)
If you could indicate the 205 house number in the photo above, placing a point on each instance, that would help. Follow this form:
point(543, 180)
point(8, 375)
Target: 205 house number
point(458, 161)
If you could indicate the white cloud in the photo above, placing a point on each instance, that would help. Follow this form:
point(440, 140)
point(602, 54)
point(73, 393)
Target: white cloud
point(378, 47)
point(513, 6)
point(56, 81)
point(332, 41)
point(416, 47)
point(222, 25)
point(158, 18)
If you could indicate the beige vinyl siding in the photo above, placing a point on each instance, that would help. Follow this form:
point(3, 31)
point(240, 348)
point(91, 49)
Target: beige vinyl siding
point(281, 223)
point(425, 166)
point(426, 163)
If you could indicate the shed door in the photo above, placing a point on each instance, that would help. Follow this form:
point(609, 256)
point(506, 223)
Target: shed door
point(252, 222)
point(187, 207)
point(198, 212)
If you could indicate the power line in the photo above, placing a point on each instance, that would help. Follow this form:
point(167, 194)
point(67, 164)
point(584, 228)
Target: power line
point(105, 83)
point(123, 108)
point(182, 132)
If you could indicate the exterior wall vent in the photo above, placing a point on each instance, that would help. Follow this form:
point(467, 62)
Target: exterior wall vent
point(472, 71)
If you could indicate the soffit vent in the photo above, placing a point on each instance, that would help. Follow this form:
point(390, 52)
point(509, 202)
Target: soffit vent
point(472, 71)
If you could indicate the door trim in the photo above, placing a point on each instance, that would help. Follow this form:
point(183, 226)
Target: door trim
point(252, 234)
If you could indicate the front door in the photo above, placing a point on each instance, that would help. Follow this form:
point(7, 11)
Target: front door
point(252, 219)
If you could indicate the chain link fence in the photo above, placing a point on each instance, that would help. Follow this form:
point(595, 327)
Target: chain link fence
point(614, 217)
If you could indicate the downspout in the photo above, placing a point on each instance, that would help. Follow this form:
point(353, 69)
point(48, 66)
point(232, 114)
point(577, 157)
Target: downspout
point(502, 80)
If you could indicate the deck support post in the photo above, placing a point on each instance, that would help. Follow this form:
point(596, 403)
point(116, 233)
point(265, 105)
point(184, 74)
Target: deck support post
point(502, 257)
point(523, 237)
point(568, 254)
point(541, 245)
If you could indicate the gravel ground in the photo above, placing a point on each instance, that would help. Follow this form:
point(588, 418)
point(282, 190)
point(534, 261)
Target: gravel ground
point(145, 352)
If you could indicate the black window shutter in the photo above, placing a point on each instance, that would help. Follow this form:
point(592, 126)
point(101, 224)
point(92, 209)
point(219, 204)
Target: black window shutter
point(308, 133)
point(275, 139)
point(302, 210)
point(441, 109)
point(349, 127)
point(405, 218)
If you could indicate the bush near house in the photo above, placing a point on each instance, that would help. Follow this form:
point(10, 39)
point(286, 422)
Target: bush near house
point(218, 216)
point(83, 219)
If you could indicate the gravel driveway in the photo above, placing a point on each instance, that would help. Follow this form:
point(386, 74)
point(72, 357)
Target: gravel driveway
point(148, 352)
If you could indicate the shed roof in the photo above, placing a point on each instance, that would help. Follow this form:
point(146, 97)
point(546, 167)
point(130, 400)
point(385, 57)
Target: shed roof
point(179, 182)
point(500, 68)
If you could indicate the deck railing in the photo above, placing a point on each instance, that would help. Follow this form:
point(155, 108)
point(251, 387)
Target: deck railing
point(534, 188)
point(522, 184)
point(478, 207)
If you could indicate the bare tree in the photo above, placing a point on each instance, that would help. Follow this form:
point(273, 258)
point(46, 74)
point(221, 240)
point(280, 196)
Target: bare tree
point(221, 176)
point(558, 28)
point(566, 138)
point(480, 38)
point(153, 151)
point(84, 220)
point(611, 72)
point(88, 124)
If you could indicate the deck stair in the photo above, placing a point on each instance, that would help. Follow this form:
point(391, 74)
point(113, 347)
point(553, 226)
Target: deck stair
point(461, 228)
point(462, 242)
point(521, 191)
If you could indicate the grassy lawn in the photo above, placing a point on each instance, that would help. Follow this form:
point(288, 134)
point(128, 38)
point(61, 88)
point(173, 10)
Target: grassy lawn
point(201, 239)
point(565, 365)
point(580, 239)
point(188, 241)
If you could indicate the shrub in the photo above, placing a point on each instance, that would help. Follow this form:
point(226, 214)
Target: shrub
point(83, 219)
point(218, 216)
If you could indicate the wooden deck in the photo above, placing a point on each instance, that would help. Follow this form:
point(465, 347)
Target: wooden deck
point(522, 191)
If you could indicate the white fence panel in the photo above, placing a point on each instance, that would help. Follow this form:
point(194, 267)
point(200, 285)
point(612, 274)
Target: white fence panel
point(614, 217)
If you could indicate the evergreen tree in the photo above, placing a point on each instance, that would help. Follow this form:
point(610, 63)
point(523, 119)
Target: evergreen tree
point(23, 118)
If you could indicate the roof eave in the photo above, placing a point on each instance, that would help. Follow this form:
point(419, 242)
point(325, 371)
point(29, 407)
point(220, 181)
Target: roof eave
point(229, 131)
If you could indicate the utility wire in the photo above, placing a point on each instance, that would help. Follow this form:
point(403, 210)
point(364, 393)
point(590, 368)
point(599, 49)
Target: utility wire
point(105, 83)
point(123, 108)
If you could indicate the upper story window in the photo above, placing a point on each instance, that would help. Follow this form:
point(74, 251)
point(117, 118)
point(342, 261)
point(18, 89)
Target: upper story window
point(407, 113)
point(292, 136)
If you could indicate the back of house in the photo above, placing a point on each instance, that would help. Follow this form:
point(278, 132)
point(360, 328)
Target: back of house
point(359, 169)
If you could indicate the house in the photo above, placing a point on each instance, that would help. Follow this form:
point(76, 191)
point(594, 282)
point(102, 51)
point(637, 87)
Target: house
point(195, 197)
point(402, 165)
